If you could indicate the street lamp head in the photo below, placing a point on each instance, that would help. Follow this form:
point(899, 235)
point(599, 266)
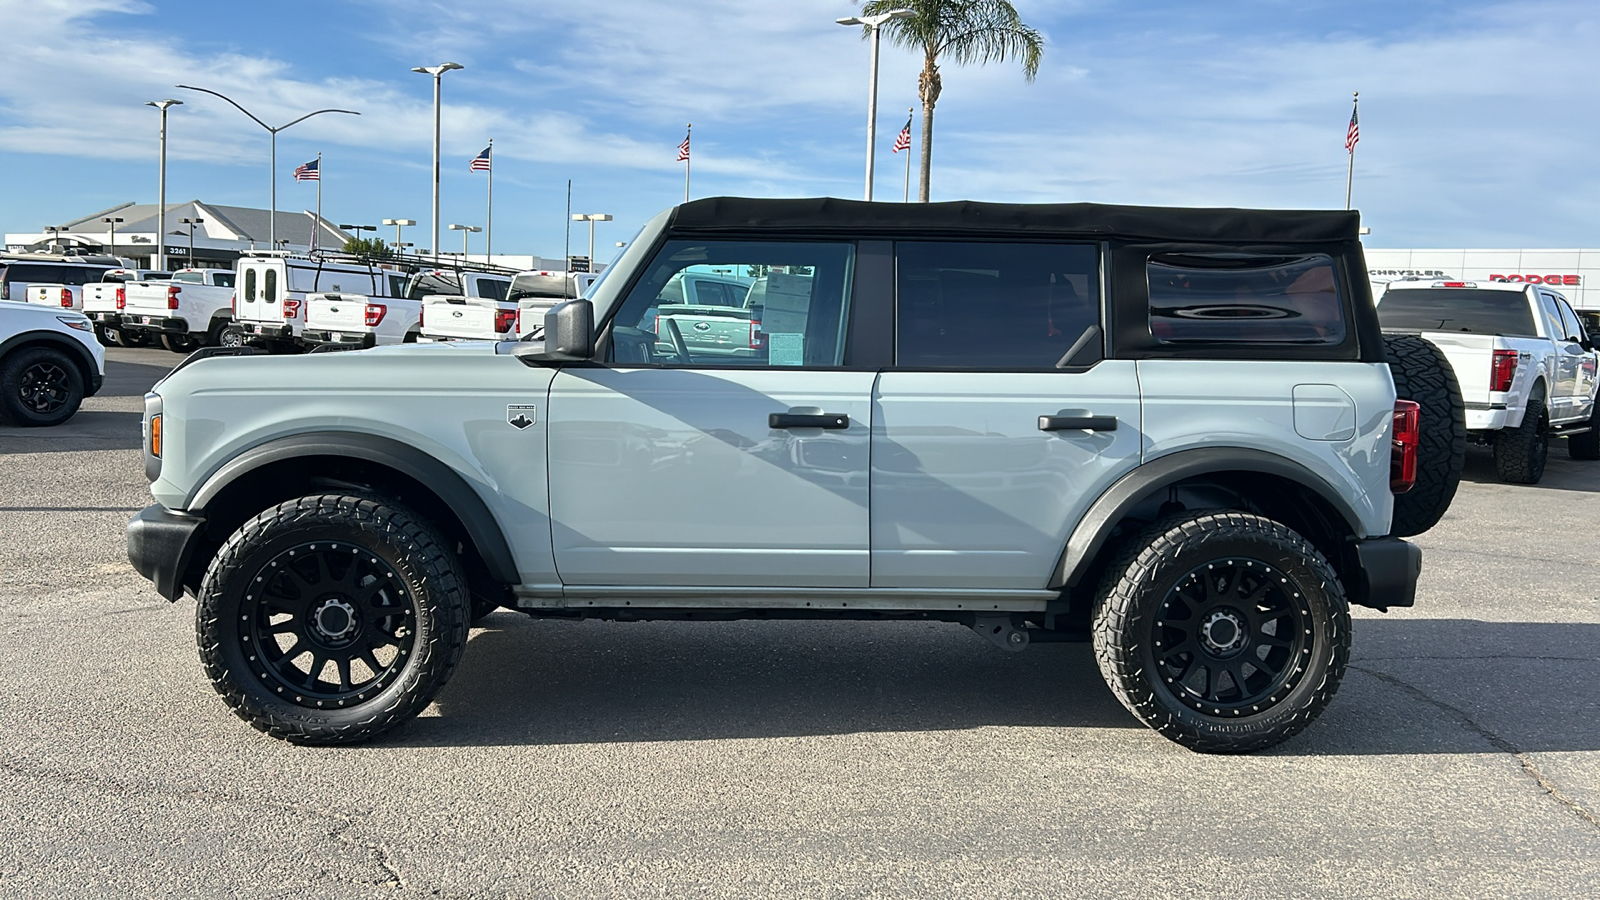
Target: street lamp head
point(877, 20)
point(850, 20)
point(438, 70)
point(399, 221)
point(591, 217)
point(115, 219)
point(163, 104)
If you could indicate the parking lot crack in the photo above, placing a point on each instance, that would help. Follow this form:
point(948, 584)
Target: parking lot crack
point(1462, 717)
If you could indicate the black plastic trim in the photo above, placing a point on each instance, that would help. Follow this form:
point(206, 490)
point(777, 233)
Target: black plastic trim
point(452, 488)
point(1389, 570)
point(161, 545)
point(1135, 487)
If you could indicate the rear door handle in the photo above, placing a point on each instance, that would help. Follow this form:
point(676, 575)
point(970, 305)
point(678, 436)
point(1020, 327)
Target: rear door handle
point(807, 420)
point(1077, 423)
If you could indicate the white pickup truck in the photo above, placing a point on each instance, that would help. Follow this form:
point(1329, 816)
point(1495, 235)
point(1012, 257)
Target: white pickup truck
point(273, 288)
point(1528, 370)
point(192, 309)
point(103, 301)
point(486, 313)
point(348, 320)
point(518, 313)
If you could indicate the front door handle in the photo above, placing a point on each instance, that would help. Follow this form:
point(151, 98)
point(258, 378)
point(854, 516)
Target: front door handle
point(807, 420)
point(1077, 423)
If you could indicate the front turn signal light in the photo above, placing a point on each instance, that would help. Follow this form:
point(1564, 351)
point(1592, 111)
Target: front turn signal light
point(155, 436)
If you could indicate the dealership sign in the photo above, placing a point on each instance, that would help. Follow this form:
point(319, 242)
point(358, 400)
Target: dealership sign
point(1569, 280)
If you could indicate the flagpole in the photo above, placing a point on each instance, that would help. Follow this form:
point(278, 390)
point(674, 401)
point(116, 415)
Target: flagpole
point(488, 225)
point(1350, 174)
point(687, 130)
point(911, 111)
point(316, 230)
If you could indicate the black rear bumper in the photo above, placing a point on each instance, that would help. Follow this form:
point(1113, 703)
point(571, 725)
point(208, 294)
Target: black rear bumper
point(161, 545)
point(1388, 573)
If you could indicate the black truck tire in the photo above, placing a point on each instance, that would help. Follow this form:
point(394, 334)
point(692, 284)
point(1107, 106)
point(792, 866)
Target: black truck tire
point(331, 618)
point(39, 386)
point(1423, 375)
point(1520, 453)
point(1226, 632)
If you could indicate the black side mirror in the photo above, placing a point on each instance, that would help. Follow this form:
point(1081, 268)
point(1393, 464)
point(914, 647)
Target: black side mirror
point(568, 335)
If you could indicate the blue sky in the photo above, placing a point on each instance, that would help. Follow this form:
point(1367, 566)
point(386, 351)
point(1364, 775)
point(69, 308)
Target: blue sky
point(1479, 122)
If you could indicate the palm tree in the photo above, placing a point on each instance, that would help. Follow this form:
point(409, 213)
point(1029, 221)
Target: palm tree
point(966, 31)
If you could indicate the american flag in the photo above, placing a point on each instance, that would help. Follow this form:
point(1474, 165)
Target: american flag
point(1353, 135)
point(683, 150)
point(480, 163)
point(307, 172)
point(903, 141)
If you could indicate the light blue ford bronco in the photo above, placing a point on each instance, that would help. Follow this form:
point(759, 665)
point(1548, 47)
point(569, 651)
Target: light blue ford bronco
point(1172, 432)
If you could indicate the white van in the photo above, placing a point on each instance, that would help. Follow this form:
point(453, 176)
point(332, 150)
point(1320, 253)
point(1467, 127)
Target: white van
point(270, 305)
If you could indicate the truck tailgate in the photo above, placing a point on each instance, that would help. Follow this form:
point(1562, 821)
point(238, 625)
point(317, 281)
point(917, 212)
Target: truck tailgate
point(1471, 356)
point(145, 299)
point(341, 312)
point(463, 318)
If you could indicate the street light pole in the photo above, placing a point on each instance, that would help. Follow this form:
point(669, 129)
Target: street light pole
point(465, 230)
point(272, 222)
point(112, 221)
point(191, 223)
point(591, 218)
point(874, 25)
point(398, 224)
point(161, 190)
point(438, 76)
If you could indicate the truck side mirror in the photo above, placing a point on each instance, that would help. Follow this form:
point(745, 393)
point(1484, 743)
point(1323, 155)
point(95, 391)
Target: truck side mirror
point(568, 335)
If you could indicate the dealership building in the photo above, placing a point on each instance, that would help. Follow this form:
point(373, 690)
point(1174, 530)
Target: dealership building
point(1572, 272)
point(207, 234)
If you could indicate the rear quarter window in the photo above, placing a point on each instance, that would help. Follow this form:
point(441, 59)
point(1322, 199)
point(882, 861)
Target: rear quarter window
point(1237, 298)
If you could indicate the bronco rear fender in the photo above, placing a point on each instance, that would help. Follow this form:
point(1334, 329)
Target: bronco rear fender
point(1138, 486)
point(445, 482)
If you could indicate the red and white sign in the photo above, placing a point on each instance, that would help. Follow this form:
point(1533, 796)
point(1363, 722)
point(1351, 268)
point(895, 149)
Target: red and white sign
point(1554, 280)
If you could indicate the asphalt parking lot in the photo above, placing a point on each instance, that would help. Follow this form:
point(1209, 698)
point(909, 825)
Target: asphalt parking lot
point(1461, 757)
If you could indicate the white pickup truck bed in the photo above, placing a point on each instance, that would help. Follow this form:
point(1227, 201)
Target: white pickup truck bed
point(344, 320)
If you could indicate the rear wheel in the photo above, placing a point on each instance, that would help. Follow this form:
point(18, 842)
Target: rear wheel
point(1225, 632)
point(39, 386)
point(331, 618)
point(1423, 375)
point(226, 334)
point(1520, 453)
point(130, 338)
point(179, 343)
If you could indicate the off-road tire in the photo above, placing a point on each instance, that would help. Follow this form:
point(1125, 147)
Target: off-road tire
point(1140, 592)
point(1423, 375)
point(179, 343)
point(1520, 453)
point(39, 387)
point(425, 578)
point(1587, 445)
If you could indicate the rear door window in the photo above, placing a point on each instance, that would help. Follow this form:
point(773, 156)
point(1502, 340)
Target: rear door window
point(269, 288)
point(992, 305)
point(1204, 298)
point(250, 285)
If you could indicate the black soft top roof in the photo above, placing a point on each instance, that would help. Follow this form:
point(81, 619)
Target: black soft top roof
point(828, 215)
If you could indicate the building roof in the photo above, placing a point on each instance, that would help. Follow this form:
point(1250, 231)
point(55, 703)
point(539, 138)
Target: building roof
point(239, 223)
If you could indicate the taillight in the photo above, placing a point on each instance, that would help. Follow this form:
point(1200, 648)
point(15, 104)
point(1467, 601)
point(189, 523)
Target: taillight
point(375, 312)
point(122, 298)
point(758, 338)
point(172, 296)
point(66, 298)
point(419, 317)
point(519, 320)
point(233, 304)
point(291, 308)
point(1403, 449)
point(1502, 370)
point(504, 320)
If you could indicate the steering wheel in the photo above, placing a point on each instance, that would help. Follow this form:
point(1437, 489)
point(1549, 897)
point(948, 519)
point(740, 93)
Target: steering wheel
point(680, 349)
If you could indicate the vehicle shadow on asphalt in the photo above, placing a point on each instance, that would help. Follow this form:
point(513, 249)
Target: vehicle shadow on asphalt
point(125, 379)
point(87, 430)
point(1561, 473)
point(1415, 686)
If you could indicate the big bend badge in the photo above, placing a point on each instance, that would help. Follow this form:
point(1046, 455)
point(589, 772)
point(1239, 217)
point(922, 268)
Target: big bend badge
point(521, 417)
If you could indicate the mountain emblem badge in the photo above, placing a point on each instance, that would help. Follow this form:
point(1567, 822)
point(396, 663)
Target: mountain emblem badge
point(520, 417)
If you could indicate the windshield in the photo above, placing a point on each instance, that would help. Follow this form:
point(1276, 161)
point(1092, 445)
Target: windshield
point(1457, 309)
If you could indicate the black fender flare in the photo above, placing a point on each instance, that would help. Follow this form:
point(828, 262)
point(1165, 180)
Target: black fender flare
point(75, 350)
point(1094, 529)
point(482, 528)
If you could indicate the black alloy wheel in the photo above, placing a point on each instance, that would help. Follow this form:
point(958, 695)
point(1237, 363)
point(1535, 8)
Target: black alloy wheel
point(1228, 635)
point(39, 386)
point(330, 624)
point(330, 618)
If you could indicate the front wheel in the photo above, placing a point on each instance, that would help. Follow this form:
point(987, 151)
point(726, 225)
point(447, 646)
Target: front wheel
point(1225, 632)
point(39, 386)
point(332, 618)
